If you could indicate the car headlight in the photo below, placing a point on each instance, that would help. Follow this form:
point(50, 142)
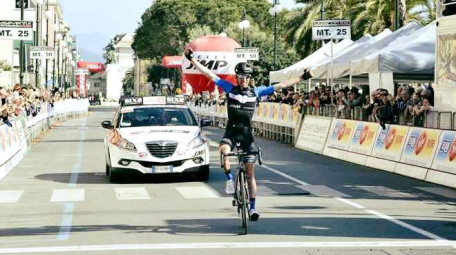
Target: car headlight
point(124, 144)
point(198, 141)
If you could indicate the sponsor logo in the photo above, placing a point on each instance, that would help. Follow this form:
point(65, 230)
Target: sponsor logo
point(390, 138)
point(341, 131)
point(364, 134)
point(421, 142)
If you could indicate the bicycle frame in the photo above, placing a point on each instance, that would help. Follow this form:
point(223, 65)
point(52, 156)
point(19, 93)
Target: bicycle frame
point(241, 194)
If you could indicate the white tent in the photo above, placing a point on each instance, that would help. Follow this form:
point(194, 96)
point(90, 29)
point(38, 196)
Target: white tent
point(341, 66)
point(414, 53)
point(297, 69)
point(322, 69)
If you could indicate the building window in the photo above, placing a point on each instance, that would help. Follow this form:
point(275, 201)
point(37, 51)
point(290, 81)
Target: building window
point(96, 85)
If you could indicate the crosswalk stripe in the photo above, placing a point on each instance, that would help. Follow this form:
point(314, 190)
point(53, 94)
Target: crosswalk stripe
point(131, 193)
point(10, 196)
point(196, 192)
point(68, 195)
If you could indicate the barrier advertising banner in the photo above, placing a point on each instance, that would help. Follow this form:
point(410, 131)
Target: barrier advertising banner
point(420, 147)
point(313, 133)
point(389, 142)
point(341, 134)
point(364, 138)
point(9, 142)
point(444, 159)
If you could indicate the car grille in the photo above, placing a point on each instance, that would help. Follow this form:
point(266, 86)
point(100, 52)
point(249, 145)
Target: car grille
point(161, 150)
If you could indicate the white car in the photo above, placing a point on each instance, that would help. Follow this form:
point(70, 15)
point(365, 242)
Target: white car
point(155, 135)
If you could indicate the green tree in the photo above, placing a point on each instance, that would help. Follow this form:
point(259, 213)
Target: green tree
point(166, 25)
point(371, 16)
point(128, 82)
point(110, 50)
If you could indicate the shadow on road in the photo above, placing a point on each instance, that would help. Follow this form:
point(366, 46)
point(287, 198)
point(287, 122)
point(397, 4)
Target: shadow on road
point(349, 227)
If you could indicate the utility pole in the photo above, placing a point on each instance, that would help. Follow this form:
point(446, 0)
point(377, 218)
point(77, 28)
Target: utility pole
point(21, 49)
point(47, 43)
point(37, 41)
point(322, 10)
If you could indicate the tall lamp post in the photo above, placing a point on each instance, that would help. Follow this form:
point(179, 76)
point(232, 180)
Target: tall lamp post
point(276, 9)
point(244, 24)
point(48, 15)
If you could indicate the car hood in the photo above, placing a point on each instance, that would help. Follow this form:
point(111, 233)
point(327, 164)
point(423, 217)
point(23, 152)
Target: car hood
point(148, 134)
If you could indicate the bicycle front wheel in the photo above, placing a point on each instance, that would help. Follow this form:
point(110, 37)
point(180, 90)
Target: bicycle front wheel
point(243, 205)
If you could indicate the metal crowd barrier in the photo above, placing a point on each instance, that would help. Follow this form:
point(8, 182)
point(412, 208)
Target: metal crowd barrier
point(271, 131)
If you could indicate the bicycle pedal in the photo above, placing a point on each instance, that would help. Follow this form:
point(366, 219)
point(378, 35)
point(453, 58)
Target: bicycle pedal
point(234, 203)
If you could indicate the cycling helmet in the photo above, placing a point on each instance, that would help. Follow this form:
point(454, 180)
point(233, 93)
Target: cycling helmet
point(243, 68)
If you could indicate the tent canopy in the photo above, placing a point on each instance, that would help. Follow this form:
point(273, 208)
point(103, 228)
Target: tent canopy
point(414, 53)
point(320, 69)
point(297, 69)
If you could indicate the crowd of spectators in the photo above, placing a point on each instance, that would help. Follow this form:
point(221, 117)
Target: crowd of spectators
point(23, 101)
point(408, 103)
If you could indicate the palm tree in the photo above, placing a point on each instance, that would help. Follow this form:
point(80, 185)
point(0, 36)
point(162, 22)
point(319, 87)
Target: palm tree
point(367, 17)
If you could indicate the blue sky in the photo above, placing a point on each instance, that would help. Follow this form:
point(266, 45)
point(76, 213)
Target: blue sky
point(111, 17)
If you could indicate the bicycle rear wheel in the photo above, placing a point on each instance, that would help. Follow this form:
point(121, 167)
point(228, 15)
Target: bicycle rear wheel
point(243, 203)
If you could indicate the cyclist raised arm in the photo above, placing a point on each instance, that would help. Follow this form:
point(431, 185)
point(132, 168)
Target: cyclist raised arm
point(241, 102)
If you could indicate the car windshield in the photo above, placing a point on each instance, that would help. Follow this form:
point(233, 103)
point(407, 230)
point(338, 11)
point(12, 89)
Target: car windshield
point(154, 116)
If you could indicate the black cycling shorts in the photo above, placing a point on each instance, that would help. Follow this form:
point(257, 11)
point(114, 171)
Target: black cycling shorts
point(244, 136)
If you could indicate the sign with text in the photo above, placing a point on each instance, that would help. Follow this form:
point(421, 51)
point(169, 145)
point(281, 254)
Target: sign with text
point(25, 4)
point(390, 142)
point(444, 159)
point(16, 30)
point(420, 147)
point(331, 29)
point(247, 53)
point(42, 52)
point(81, 71)
point(364, 138)
point(341, 134)
point(313, 134)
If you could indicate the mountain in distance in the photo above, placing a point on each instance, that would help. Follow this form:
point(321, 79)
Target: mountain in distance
point(91, 46)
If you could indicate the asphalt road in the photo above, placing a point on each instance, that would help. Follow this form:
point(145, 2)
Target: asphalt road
point(59, 201)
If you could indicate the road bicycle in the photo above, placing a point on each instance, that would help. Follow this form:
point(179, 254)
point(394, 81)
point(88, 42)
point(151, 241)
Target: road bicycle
point(241, 195)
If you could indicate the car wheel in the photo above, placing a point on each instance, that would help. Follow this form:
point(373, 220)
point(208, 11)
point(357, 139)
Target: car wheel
point(203, 174)
point(113, 176)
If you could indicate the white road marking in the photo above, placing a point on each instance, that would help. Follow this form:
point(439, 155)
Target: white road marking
point(384, 191)
point(132, 193)
point(350, 203)
point(383, 216)
point(68, 195)
point(284, 175)
point(236, 245)
point(10, 196)
point(406, 225)
point(196, 192)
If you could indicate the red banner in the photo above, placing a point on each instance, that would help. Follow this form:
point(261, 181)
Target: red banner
point(172, 61)
point(94, 67)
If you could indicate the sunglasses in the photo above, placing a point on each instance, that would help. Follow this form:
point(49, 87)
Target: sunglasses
point(244, 76)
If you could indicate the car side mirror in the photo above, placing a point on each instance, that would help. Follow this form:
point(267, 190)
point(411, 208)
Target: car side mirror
point(107, 124)
point(205, 123)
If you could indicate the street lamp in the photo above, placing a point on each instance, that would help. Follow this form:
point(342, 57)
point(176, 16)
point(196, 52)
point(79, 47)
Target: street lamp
point(58, 38)
point(276, 9)
point(48, 15)
point(244, 24)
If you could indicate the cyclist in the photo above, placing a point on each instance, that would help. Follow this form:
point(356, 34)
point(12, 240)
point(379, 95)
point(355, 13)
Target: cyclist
point(242, 100)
